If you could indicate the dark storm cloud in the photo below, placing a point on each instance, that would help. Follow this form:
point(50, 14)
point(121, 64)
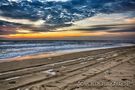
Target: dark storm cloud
point(61, 12)
point(8, 23)
point(98, 28)
point(45, 28)
point(110, 28)
point(124, 30)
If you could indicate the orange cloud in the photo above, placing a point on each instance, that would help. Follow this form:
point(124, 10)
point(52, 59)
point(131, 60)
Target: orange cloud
point(131, 20)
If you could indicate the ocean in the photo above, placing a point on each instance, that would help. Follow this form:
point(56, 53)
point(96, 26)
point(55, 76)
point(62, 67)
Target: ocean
point(11, 49)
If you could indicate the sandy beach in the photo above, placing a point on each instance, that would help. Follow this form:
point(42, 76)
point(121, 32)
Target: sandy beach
point(104, 69)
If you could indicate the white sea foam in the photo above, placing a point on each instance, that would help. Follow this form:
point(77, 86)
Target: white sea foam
point(13, 49)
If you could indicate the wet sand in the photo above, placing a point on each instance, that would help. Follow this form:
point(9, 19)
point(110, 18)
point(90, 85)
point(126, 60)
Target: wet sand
point(104, 69)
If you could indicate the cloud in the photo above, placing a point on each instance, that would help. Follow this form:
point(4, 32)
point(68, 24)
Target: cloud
point(130, 20)
point(129, 29)
point(57, 0)
point(63, 10)
point(102, 22)
point(112, 28)
point(28, 17)
point(4, 30)
point(95, 29)
point(22, 21)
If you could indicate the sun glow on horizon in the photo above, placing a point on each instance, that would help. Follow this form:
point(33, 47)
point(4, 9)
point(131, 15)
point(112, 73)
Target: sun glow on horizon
point(42, 35)
point(101, 25)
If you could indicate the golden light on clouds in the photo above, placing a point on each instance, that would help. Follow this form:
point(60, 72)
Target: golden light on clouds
point(130, 20)
point(93, 26)
point(42, 35)
point(24, 31)
point(102, 19)
point(99, 19)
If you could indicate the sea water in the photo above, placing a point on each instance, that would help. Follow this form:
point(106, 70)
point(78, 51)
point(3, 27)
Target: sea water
point(11, 49)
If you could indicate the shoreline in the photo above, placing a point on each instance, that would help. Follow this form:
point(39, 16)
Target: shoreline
point(57, 53)
point(31, 60)
point(64, 71)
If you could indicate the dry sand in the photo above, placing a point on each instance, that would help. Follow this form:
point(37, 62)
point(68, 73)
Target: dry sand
point(106, 69)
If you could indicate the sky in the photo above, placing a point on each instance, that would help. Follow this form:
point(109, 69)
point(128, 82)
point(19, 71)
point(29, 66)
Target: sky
point(67, 19)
